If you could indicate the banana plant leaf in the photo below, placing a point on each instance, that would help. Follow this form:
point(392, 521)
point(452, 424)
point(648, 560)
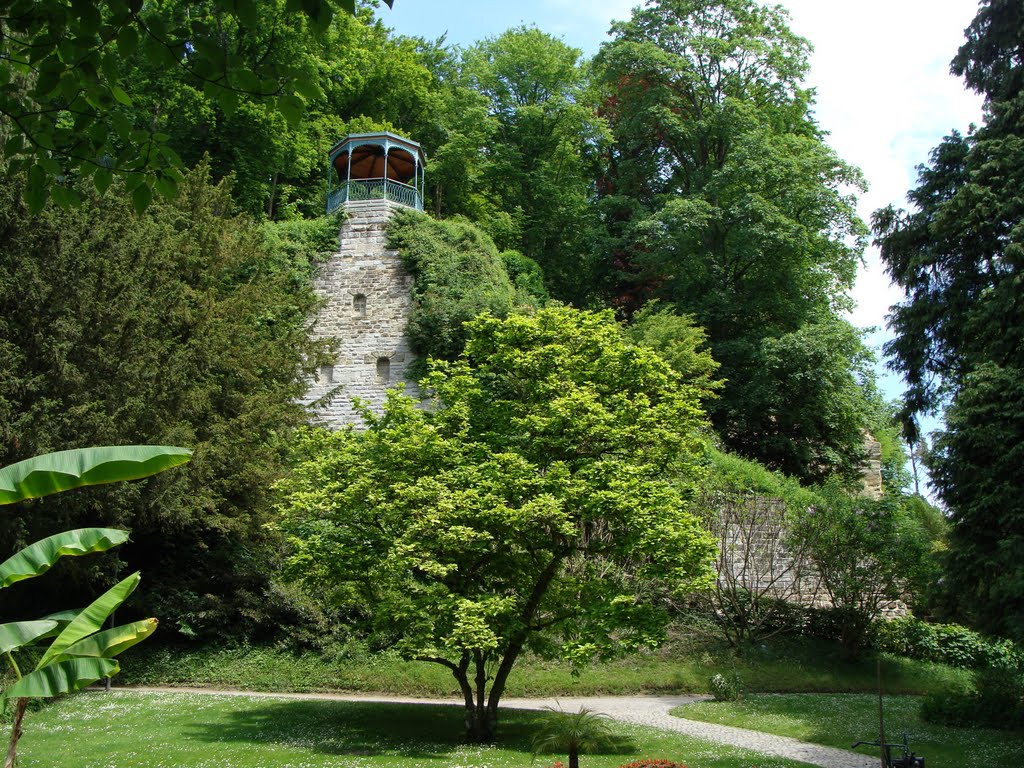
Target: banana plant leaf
point(18, 634)
point(90, 619)
point(111, 642)
point(38, 558)
point(62, 677)
point(64, 470)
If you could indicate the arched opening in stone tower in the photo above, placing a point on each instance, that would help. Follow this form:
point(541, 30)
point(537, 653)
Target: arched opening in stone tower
point(383, 370)
point(359, 305)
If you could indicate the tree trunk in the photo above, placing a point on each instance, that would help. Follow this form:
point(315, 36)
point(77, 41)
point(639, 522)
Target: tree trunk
point(19, 715)
point(574, 758)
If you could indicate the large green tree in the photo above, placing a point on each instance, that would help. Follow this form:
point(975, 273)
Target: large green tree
point(722, 198)
point(541, 502)
point(67, 96)
point(959, 257)
point(179, 326)
point(535, 185)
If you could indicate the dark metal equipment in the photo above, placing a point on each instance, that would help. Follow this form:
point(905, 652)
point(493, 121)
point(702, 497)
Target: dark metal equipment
point(905, 760)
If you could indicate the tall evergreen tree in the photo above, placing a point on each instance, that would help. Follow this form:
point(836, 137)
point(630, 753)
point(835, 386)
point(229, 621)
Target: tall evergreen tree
point(959, 257)
point(175, 327)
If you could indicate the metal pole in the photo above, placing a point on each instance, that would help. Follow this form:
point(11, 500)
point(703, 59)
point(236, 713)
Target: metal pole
point(348, 174)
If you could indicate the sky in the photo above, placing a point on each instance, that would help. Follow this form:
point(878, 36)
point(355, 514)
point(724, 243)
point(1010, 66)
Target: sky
point(880, 69)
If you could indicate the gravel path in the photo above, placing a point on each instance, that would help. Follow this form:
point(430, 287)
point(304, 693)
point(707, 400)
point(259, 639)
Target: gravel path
point(652, 711)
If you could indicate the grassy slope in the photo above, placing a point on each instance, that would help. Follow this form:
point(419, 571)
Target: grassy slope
point(785, 667)
point(839, 720)
point(133, 730)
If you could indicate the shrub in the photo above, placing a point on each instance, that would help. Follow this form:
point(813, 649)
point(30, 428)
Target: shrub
point(725, 687)
point(949, 644)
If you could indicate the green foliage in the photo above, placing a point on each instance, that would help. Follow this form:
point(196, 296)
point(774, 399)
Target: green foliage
point(866, 552)
point(69, 95)
point(574, 733)
point(457, 274)
point(533, 155)
point(805, 411)
point(975, 466)
point(80, 653)
point(680, 342)
point(996, 700)
point(949, 644)
point(176, 327)
point(532, 505)
point(960, 328)
point(726, 687)
point(722, 199)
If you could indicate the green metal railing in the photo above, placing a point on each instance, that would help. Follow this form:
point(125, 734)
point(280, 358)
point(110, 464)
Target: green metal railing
point(374, 189)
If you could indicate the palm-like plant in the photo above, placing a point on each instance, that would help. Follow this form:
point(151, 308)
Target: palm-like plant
point(573, 733)
point(81, 651)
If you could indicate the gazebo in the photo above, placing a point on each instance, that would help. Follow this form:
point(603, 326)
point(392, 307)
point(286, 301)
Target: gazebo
point(375, 166)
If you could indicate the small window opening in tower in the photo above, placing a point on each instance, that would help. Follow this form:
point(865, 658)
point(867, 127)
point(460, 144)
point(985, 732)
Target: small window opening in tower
point(383, 370)
point(326, 374)
point(359, 305)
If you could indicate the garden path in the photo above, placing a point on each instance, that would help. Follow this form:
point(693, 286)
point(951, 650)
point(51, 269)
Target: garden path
point(651, 711)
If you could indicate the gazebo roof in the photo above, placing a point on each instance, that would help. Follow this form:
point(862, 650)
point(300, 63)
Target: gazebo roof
point(382, 138)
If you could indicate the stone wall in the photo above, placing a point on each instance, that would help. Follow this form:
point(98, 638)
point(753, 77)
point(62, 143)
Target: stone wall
point(368, 294)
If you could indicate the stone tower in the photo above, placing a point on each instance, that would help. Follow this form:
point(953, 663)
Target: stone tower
point(366, 290)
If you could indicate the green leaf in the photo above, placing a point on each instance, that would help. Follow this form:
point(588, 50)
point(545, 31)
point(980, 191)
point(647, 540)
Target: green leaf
point(127, 41)
point(38, 558)
point(21, 633)
point(64, 470)
point(102, 180)
point(62, 677)
point(291, 107)
point(308, 88)
point(227, 99)
point(142, 195)
point(90, 619)
point(36, 190)
point(65, 197)
point(167, 187)
point(111, 642)
point(247, 13)
point(120, 96)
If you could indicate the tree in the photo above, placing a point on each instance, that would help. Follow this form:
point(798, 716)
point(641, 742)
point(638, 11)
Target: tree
point(536, 171)
point(763, 568)
point(680, 343)
point(975, 470)
point(63, 67)
point(722, 199)
point(866, 552)
point(367, 80)
point(959, 332)
point(539, 503)
point(180, 326)
point(80, 653)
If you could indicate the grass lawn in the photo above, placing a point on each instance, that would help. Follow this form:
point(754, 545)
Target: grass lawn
point(179, 730)
point(839, 720)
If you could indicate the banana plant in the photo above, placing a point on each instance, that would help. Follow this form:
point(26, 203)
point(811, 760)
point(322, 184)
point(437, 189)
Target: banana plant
point(81, 651)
